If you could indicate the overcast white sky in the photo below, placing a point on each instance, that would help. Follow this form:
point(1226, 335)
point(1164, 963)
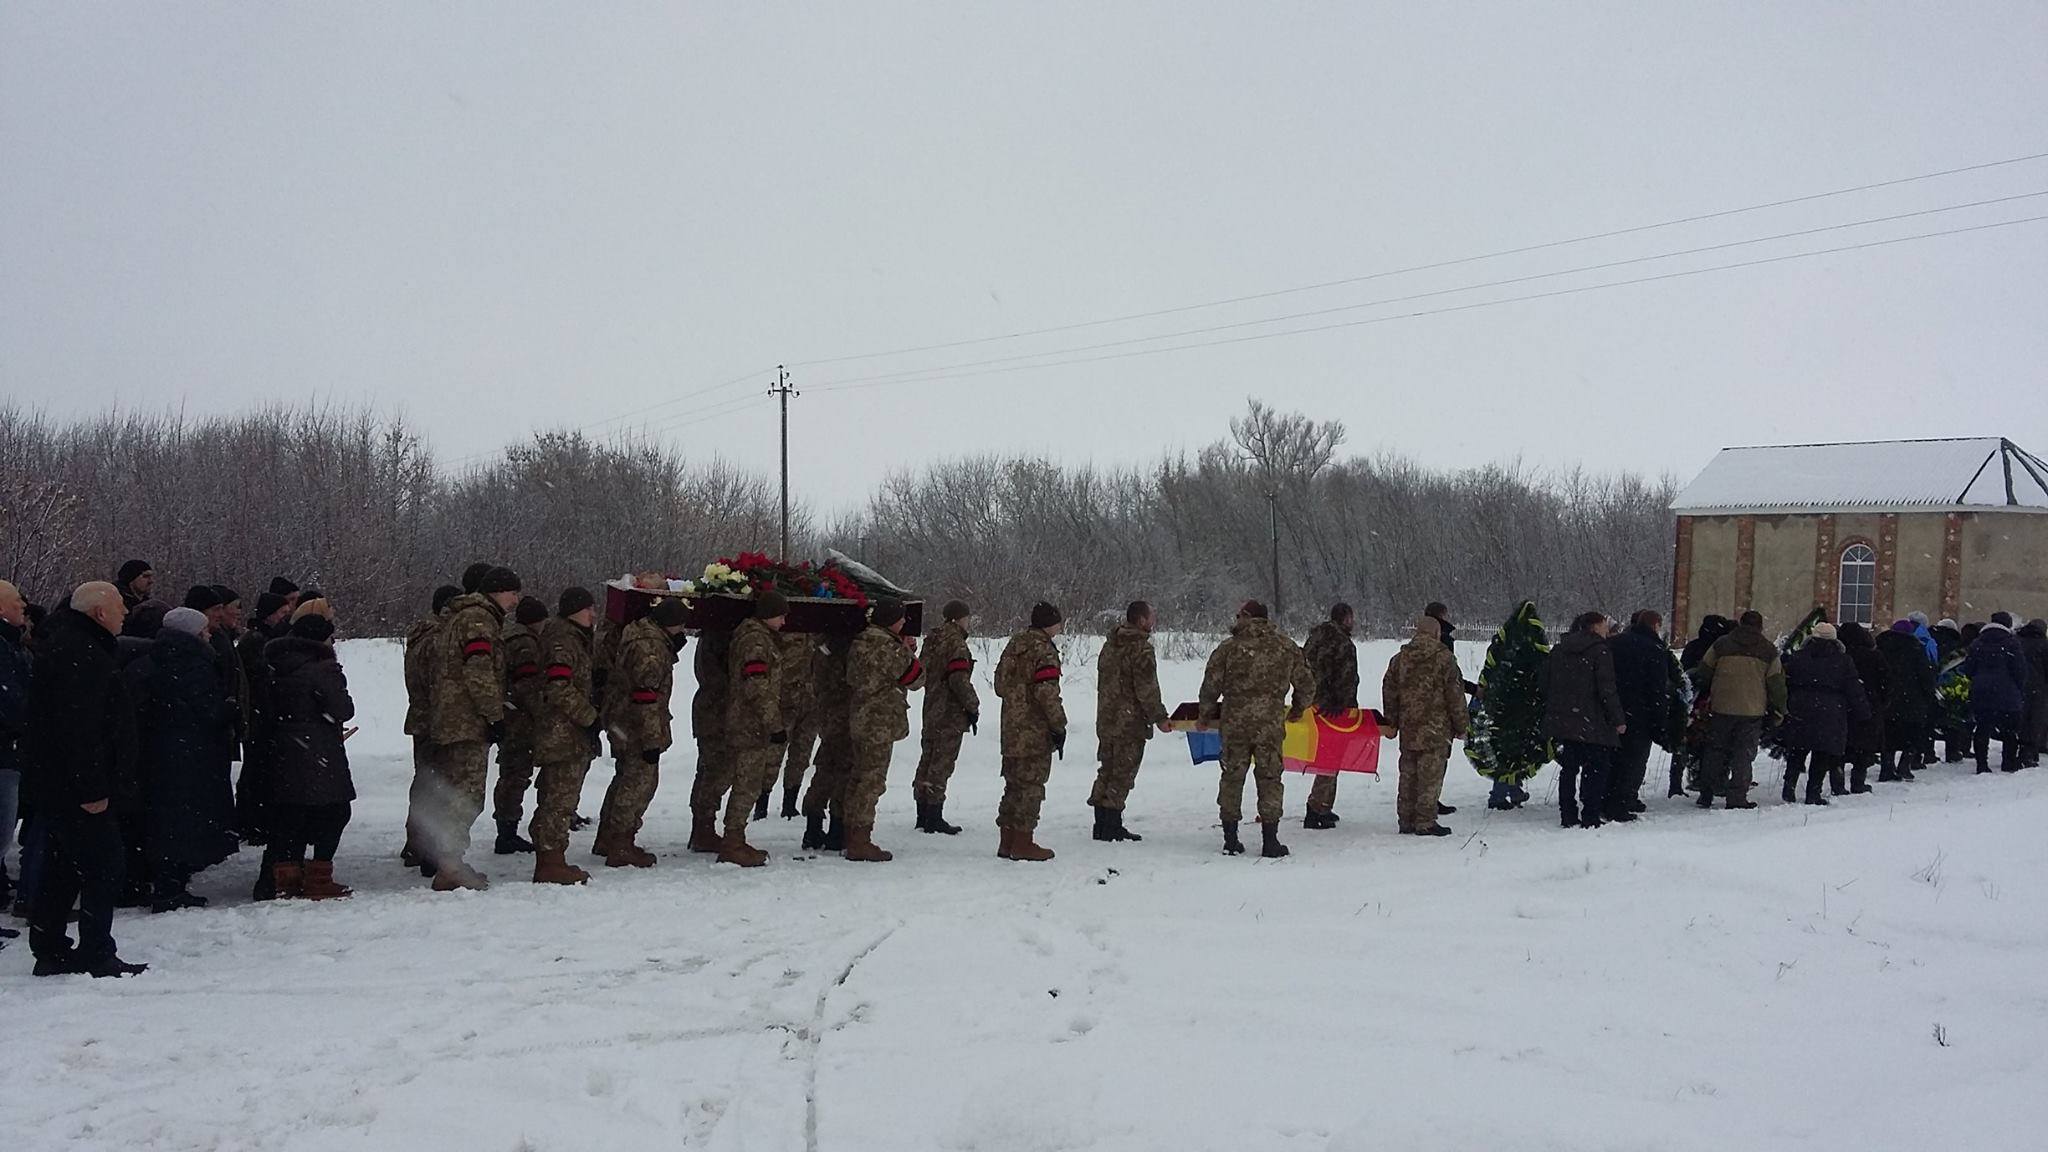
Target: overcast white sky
point(500, 217)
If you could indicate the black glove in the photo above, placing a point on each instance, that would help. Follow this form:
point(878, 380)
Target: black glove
point(652, 756)
point(778, 737)
point(497, 732)
point(592, 730)
point(974, 723)
point(1059, 744)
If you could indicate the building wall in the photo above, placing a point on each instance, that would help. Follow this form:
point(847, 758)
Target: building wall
point(2005, 565)
point(1712, 575)
point(1783, 585)
point(1916, 578)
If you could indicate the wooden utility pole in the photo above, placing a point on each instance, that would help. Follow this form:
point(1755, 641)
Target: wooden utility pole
point(784, 390)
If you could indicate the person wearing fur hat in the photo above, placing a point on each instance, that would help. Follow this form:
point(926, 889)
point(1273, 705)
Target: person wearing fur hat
point(311, 786)
point(521, 638)
point(636, 717)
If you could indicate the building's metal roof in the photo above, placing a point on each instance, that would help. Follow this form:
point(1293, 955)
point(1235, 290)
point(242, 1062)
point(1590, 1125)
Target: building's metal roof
point(1981, 472)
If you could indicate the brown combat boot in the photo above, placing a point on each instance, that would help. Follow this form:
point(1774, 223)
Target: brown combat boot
point(627, 854)
point(1005, 840)
point(734, 849)
point(318, 882)
point(451, 877)
point(551, 868)
point(860, 846)
point(704, 835)
point(286, 882)
point(1023, 848)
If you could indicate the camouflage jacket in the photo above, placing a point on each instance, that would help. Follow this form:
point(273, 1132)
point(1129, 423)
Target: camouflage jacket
point(604, 648)
point(1127, 702)
point(1423, 693)
point(1248, 678)
point(947, 656)
point(880, 672)
point(637, 690)
point(1333, 661)
point(1028, 681)
point(466, 694)
point(522, 677)
point(835, 700)
point(419, 673)
point(563, 712)
point(753, 668)
point(797, 675)
point(714, 686)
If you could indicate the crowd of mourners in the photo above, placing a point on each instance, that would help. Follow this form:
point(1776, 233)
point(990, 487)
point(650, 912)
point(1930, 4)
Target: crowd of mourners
point(123, 716)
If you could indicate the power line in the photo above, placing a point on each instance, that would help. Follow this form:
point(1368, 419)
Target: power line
point(1527, 248)
point(595, 424)
point(911, 374)
point(1458, 307)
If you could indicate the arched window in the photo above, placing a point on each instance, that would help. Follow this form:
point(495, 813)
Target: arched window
point(1858, 585)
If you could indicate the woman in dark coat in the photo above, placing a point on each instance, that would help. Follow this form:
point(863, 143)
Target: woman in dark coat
point(1824, 699)
point(187, 722)
point(1583, 714)
point(1997, 669)
point(1909, 701)
point(310, 785)
point(1866, 739)
point(2034, 725)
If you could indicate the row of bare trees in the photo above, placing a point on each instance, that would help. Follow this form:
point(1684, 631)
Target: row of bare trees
point(356, 503)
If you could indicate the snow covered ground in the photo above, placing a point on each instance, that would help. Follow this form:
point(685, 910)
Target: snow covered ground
point(1864, 976)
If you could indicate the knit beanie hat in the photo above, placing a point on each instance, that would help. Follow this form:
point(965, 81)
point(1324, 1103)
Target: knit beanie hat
point(956, 610)
point(226, 595)
point(1044, 615)
point(130, 570)
point(1824, 631)
point(498, 580)
point(770, 604)
point(190, 621)
point(201, 597)
point(670, 612)
point(574, 600)
point(267, 604)
point(443, 595)
point(532, 610)
point(315, 628)
point(281, 587)
point(473, 576)
point(886, 612)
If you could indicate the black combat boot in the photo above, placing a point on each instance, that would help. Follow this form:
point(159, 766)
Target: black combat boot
point(814, 831)
point(1232, 846)
point(835, 836)
point(509, 839)
point(1105, 828)
point(1116, 817)
point(1273, 849)
point(924, 816)
point(935, 820)
point(789, 811)
point(761, 804)
point(1443, 809)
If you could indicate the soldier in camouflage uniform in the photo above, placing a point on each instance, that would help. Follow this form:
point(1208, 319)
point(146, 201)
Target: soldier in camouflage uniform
point(951, 709)
point(881, 671)
point(636, 715)
point(1333, 661)
point(466, 713)
point(564, 734)
point(754, 729)
point(1127, 709)
point(521, 639)
point(707, 725)
point(1246, 685)
point(1034, 730)
point(827, 792)
point(419, 684)
point(1423, 698)
point(799, 717)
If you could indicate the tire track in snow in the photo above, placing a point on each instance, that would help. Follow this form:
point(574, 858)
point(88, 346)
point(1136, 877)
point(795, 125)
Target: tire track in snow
point(816, 1035)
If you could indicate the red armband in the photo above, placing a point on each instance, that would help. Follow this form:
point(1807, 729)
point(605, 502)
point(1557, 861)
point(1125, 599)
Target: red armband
point(1049, 672)
point(959, 664)
point(754, 668)
point(561, 672)
point(525, 670)
point(910, 674)
point(477, 647)
point(646, 696)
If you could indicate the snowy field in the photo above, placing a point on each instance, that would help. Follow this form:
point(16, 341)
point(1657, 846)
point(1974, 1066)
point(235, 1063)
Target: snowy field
point(1865, 976)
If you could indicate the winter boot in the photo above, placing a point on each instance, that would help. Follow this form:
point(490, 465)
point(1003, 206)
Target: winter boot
point(860, 847)
point(789, 810)
point(319, 882)
point(1104, 828)
point(626, 854)
point(735, 850)
point(1232, 846)
point(1443, 809)
point(1272, 849)
point(761, 804)
point(1433, 830)
point(279, 881)
point(924, 816)
point(936, 820)
point(1317, 820)
point(1022, 847)
point(1568, 815)
point(509, 839)
point(410, 856)
point(578, 822)
point(704, 835)
point(115, 967)
point(1004, 840)
point(835, 836)
point(1116, 817)
point(814, 832)
point(460, 875)
point(550, 868)
point(1738, 803)
point(1859, 779)
point(1835, 782)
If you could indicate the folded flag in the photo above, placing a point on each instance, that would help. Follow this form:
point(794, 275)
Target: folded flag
point(1324, 745)
point(1205, 747)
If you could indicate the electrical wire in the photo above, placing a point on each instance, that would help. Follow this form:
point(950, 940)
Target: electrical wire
point(1455, 307)
point(1451, 263)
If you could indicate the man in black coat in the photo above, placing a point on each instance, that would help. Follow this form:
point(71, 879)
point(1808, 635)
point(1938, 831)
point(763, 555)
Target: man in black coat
point(80, 734)
point(1642, 676)
point(1582, 712)
point(272, 621)
point(1909, 701)
point(1997, 668)
point(1866, 737)
point(186, 725)
point(1824, 700)
point(2034, 722)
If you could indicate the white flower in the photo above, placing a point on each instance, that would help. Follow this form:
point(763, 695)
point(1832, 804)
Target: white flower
point(689, 587)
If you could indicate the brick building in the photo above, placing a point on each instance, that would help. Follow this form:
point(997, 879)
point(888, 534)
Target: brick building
point(1955, 528)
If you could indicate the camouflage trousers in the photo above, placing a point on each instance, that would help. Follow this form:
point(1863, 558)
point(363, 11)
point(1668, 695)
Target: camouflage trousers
point(561, 786)
point(416, 797)
point(865, 782)
point(753, 772)
point(714, 779)
point(1024, 780)
point(634, 781)
point(1118, 774)
point(796, 755)
point(1422, 785)
point(938, 752)
point(828, 783)
point(451, 798)
point(1260, 757)
point(1322, 795)
point(515, 775)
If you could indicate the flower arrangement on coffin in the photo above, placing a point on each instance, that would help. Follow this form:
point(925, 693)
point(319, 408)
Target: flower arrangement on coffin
point(753, 572)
